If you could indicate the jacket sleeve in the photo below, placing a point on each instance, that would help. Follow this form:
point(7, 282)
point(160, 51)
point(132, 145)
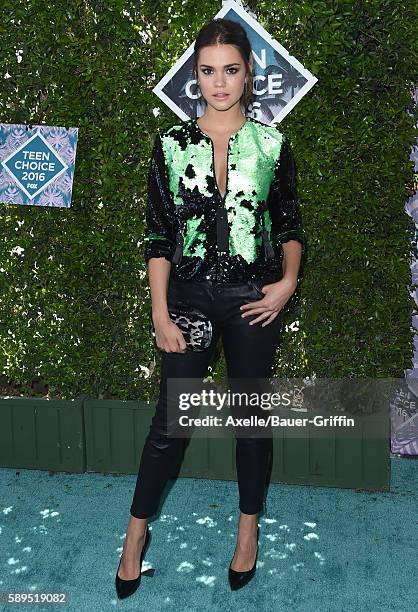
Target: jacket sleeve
point(283, 203)
point(159, 240)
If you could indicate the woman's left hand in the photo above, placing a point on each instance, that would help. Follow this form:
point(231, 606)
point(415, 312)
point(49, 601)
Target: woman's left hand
point(276, 296)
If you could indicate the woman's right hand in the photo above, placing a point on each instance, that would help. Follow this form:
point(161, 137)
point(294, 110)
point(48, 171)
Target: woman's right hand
point(168, 336)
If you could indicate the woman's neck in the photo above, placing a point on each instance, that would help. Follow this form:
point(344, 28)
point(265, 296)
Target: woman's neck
point(221, 122)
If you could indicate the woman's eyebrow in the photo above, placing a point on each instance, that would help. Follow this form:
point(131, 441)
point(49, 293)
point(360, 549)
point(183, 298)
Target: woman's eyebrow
point(226, 65)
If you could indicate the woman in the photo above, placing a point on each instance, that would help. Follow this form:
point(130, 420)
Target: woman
point(222, 214)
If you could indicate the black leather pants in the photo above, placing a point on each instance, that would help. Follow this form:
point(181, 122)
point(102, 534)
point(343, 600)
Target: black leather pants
point(249, 352)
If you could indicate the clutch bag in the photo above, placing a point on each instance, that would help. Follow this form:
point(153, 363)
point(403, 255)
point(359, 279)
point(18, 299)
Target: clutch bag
point(195, 326)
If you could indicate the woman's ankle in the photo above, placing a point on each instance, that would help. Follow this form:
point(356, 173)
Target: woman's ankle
point(136, 531)
point(248, 524)
point(137, 525)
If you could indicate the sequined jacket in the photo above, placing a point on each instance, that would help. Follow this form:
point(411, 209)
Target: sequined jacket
point(233, 238)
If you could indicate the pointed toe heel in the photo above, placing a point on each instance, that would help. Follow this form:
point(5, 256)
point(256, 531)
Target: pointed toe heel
point(239, 579)
point(125, 588)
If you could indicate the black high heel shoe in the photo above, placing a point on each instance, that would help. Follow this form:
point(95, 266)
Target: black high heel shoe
point(240, 579)
point(125, 588)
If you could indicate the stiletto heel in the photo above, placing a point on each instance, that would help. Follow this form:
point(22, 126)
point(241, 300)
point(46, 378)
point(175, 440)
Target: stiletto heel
point(240, 579)
point(125, 588)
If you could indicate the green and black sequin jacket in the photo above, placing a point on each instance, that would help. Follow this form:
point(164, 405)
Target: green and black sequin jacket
point(231, 239)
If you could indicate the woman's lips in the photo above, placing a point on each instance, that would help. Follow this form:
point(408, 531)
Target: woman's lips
point(221, 96)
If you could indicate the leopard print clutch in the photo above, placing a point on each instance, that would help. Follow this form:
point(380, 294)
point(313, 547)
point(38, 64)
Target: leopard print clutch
point(194, 325)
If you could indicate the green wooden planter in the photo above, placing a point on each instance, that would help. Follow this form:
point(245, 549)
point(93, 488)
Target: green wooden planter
point(115, 434)
point(358, 463)
point(108, 436)
point(42, 434)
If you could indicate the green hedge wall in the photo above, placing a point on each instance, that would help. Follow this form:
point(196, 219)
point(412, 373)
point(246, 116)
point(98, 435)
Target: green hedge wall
point(74, 298)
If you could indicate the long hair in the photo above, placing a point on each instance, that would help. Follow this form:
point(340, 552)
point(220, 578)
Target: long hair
point(227, 32)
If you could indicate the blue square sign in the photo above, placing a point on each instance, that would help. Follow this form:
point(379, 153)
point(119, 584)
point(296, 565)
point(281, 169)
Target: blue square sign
point(38, 166)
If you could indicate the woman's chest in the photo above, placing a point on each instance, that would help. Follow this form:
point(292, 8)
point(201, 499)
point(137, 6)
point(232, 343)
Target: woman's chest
point(222, 170)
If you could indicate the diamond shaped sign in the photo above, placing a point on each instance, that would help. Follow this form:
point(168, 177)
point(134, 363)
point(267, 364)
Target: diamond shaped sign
point(37, 164)
point(280, 80)
point(34, 165)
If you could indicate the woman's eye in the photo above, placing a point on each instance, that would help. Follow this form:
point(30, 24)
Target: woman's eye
point(229, 70)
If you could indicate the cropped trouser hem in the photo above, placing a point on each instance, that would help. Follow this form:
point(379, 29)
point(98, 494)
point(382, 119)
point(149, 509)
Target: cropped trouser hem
point(141, 515)
point(251, 510)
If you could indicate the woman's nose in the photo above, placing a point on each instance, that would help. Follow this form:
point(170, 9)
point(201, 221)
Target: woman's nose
point(219, 80)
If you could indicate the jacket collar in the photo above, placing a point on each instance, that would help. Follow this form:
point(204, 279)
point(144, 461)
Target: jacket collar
point(200, 133)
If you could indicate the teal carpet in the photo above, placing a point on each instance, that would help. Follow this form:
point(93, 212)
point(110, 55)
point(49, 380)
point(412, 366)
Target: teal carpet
point(321, 548)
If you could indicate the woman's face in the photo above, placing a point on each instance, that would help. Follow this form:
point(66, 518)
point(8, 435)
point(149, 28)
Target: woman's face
point(221, 74)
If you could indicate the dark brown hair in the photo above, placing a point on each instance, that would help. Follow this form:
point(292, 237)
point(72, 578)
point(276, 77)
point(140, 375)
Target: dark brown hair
point(227, 32)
